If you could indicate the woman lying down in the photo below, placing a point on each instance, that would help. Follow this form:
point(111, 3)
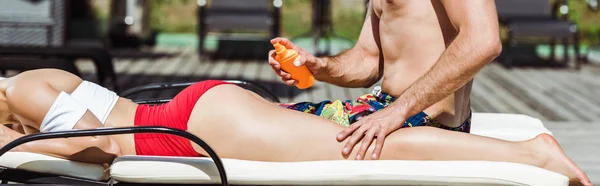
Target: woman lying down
point(237, 123)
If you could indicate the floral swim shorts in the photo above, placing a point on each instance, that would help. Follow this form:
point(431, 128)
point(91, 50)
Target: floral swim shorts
point(349, 111)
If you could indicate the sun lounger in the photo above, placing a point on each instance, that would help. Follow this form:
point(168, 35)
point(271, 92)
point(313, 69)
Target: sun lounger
point(127, 170)
point(30, 168)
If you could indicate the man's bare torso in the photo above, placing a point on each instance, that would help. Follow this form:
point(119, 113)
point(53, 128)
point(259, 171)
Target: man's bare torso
point(413, 34)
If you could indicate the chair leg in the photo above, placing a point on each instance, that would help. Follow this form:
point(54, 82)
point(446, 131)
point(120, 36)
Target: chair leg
point(577, 54)
point(105, 69)
point(201, 13)
point(552, 50)
point(508, 60)
point(565, 43)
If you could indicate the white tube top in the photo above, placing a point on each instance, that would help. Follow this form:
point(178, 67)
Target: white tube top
point(67, 109)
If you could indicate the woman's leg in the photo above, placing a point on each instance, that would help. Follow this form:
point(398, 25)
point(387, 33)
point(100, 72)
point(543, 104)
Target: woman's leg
point(241, 126)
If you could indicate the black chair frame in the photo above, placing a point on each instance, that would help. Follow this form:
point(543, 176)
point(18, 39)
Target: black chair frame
point(202, 27)
point(252, 86)
point(511, 40)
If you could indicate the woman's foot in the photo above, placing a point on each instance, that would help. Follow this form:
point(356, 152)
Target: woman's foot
point(558, 161)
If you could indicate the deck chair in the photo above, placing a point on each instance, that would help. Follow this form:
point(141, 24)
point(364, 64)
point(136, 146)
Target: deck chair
point(538, 21)
point(30, 168)
point(38, 31)
point(243, 27)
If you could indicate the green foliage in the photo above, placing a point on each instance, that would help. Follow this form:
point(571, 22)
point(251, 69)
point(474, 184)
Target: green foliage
point(295, 17)
point(588, 22)
point(177, 16)
point(180, 16)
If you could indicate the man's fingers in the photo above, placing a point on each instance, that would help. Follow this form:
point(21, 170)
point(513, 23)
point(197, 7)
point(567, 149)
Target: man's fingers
point(346, 132)
point(289, 82)
point(284, 41)
point(379, 144)
point(300, 60)
point(356, 136)
point(285, 75)
point(276, 66)
point(366, 142)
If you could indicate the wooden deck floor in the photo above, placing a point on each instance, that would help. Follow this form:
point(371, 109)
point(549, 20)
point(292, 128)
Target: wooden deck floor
point(568, 101)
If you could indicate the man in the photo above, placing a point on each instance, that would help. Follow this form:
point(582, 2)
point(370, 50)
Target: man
point(427, 53)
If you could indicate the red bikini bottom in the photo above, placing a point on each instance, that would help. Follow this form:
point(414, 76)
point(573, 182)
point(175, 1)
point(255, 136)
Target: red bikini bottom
point(174, 114)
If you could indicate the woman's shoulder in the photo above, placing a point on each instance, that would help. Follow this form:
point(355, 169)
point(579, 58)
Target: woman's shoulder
point(33, 79)
point(31, 93)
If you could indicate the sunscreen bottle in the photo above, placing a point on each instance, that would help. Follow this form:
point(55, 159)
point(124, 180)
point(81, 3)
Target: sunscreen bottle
point(286, 58)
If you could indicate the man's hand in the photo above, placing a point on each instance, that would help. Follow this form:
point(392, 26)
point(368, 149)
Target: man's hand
point(304, 58)
point(377, 125)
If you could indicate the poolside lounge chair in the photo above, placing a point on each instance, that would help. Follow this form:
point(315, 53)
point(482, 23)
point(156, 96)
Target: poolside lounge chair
point(30, 168)
point(243, 28)
point(38, 31)
point(531, 19)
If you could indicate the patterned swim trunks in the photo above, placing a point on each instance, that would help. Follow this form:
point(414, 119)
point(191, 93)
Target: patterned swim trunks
point(348, 111)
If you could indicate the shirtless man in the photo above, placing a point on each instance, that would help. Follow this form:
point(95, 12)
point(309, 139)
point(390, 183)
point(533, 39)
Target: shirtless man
point(426, 51)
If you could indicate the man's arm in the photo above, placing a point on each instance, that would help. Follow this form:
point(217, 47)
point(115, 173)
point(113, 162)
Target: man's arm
point(360, 66)
point(476, 44)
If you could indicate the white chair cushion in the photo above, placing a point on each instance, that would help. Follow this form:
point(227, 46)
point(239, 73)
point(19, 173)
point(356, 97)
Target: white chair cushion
point(171, 170)
point(511, 127)
point(52, 165)
point(148, 169)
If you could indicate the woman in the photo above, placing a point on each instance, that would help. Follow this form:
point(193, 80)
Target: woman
point(236, 123)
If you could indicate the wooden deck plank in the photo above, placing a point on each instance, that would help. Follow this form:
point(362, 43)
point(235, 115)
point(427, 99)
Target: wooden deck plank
point(122, 65)
point(138, 67)
point(171, 67)
point(478, 98)
point(572, 86)
point(503, 97)
point(250, 71)
point(579, 141)
point(189, 67)
point(588, 78)
point(581, 103)
point(219, 69)
point(527, 94)
point(492, 98)
point(235, 69)
point(265, 72)
point(204, 67)
point(550, 97)
point(138, 75)
point(319, 92)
